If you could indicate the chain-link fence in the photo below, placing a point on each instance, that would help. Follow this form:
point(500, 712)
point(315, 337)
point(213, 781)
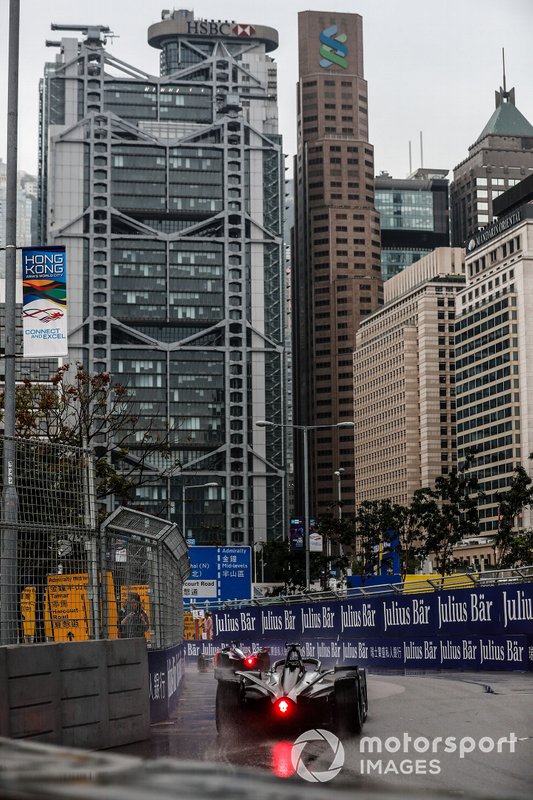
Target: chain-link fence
point(63, 577)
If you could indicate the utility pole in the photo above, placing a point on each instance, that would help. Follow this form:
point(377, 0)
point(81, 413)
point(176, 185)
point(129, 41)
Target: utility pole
point(8, 546)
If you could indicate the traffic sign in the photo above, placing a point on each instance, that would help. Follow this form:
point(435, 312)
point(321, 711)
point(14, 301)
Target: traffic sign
point(219, 573)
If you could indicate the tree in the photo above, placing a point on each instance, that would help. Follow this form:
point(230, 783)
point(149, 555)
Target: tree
point(283, 566)
point(95, 413)
point(453, 516)
point(413, 521)
point(378, 522)
point(338, 542)
point(514, 547)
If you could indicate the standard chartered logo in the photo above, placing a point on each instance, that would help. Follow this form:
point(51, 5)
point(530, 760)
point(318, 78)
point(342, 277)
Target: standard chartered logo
point(298, 763)
point(332, 48)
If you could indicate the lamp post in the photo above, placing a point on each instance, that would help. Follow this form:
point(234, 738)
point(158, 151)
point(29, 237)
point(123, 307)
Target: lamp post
point(264, 423)
point(184, 488)
point(338, 474)
point(8, 535)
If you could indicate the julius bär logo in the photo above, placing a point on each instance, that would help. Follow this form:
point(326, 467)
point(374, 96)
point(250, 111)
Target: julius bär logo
point(332, 48)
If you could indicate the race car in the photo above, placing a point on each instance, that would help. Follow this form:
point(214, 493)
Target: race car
point(295, 693)
point(232, 658)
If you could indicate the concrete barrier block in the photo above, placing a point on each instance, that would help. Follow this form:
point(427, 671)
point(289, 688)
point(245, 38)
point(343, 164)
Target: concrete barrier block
point(41, 659)
point(129, 730)
point(27, 690)
point(125, 651)
point(88, 736)
point(36, 721)
point(81, 711)
point(127, 704)
point(81, 683)
point(81, 655)
point(125, 677)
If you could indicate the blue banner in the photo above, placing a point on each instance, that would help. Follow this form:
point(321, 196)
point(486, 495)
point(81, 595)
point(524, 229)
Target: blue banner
point(166, 674)
point(487, 628)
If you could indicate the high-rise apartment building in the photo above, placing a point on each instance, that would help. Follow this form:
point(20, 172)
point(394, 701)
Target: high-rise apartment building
point(414, 217)
point(337, 274)
point(494, 353)
point(404, 399)
point(26, 210)
point(167, 192)
point(501, 157)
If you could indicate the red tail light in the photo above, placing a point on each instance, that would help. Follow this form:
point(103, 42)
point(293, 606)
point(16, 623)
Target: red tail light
point(250, 661)
point(283, 706)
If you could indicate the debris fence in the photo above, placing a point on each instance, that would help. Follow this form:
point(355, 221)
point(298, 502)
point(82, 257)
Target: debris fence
point(67, 576)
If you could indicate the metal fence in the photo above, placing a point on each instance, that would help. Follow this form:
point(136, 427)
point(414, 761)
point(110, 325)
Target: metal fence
point(71, 579)
point(466, 580)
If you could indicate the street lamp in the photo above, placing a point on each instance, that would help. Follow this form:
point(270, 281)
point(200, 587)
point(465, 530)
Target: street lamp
point(184, 488)
point(264, 423)
point(338, 474)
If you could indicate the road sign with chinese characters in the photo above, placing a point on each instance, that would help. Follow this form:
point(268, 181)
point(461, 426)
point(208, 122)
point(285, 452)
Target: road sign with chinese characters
point(219, 573)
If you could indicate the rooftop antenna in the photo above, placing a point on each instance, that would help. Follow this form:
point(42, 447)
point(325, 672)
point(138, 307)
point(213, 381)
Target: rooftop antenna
point(503, 60)
point(98, 33)
point(421, 151)
point(410, 159)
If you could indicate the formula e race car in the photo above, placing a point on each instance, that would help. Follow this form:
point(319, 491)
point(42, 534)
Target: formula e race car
point(232, 658)
point(296, 693)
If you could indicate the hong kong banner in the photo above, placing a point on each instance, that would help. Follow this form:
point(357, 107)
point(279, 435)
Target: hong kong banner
point(489, 628)
point(44, 302)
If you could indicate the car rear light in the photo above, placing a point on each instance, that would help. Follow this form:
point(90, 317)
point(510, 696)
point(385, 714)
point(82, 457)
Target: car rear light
point(283, 706)
point(250, 661)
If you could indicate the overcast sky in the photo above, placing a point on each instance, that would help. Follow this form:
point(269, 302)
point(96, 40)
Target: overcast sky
point(431, 65)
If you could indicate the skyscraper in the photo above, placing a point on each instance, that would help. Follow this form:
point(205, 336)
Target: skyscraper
point(414, 217)
point(167, 193)
point(494, 354)
point(404, 381)
point(336, 273)
point(26, 210)
point(501, 157)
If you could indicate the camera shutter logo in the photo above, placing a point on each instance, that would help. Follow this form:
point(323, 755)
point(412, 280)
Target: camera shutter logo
point(317, 735)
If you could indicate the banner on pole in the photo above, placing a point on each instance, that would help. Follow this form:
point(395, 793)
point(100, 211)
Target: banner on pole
point(44, 302)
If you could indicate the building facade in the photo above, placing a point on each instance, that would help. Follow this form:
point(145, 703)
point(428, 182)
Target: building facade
point(26, 211)
point(404, 398)
point(167, 192)
point(494, 358)
point(414, 217)
point(336, 268)
point(501, 157)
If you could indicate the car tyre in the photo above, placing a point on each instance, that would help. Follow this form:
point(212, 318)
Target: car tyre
point(227, 705)
point(348, 706)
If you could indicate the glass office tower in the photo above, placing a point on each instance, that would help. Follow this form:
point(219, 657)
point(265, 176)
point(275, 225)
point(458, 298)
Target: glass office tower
point(167, 192)
point(414, 217)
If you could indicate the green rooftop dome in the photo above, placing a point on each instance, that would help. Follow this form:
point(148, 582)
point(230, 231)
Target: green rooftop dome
point(506, 120)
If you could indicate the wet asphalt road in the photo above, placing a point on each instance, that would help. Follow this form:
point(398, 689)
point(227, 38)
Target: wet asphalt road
point(467, 706)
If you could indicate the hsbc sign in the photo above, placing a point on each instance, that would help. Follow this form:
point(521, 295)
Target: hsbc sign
point(205, 27)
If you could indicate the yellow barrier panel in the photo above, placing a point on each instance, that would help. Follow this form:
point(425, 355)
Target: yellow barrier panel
point(112, 610)
point(189, 631)
point(418, 583)
point(28, 598)
point(67, 608)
